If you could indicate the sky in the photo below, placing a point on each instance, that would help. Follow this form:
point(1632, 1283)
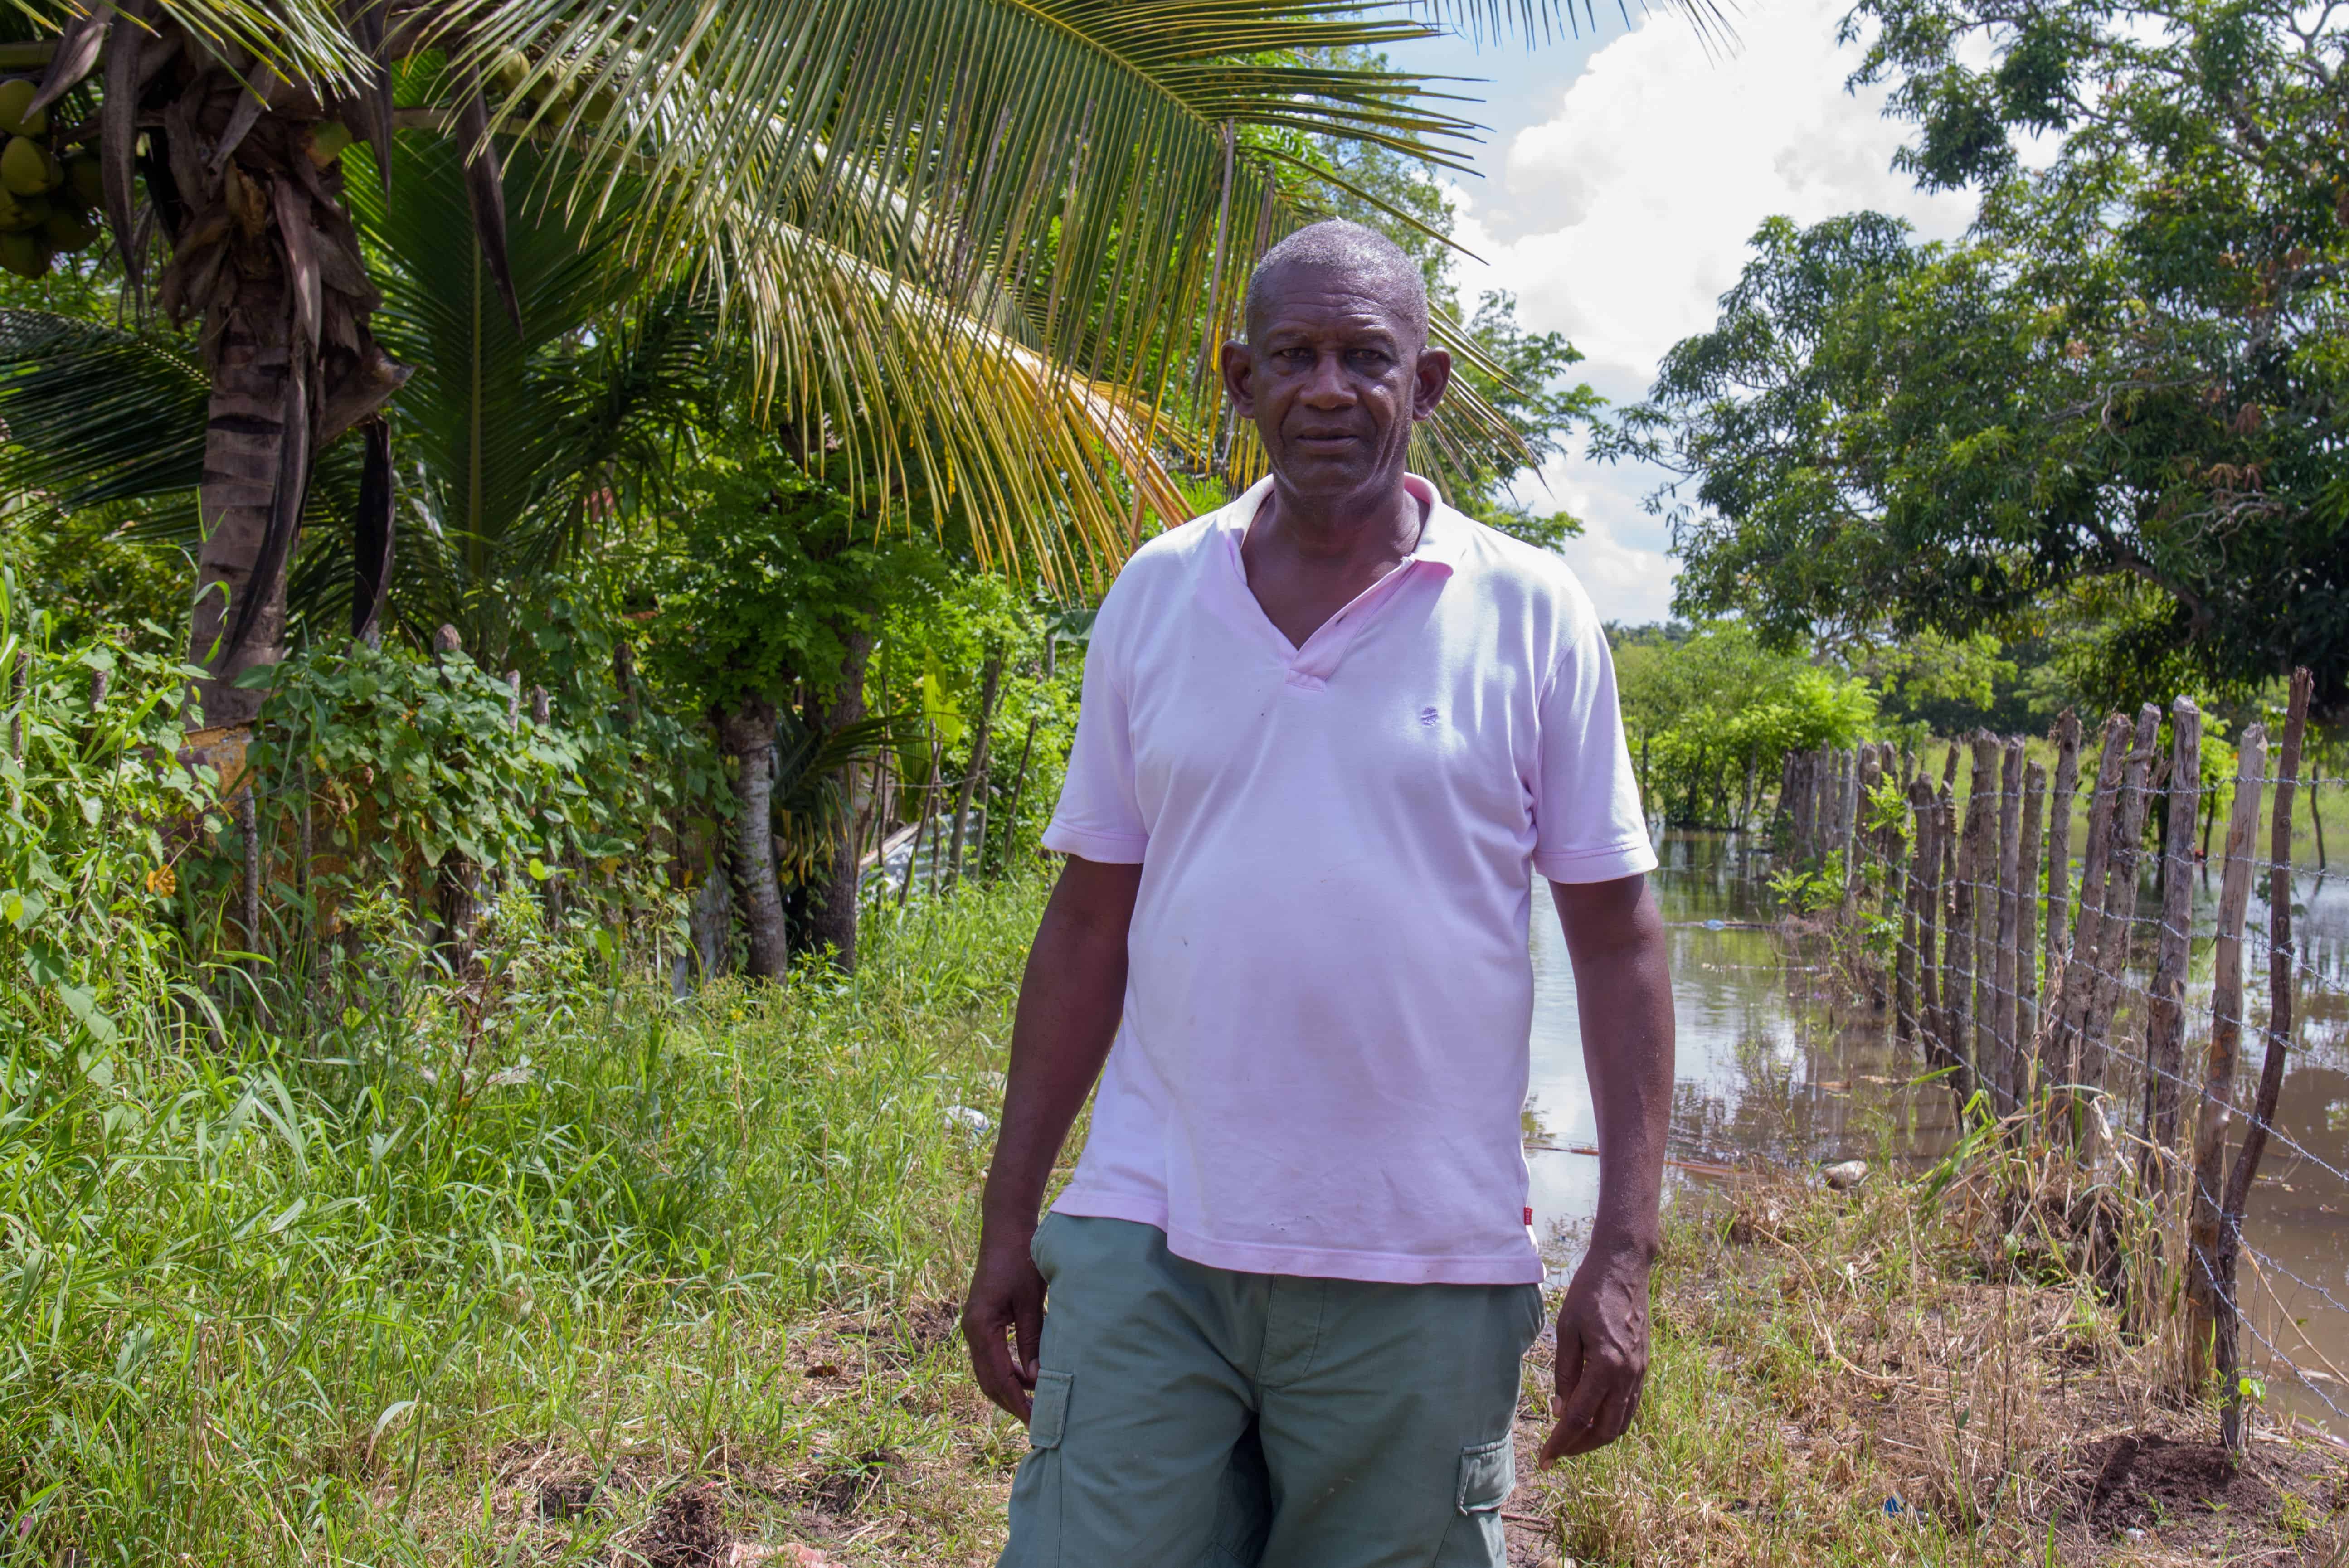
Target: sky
point(1623, 174)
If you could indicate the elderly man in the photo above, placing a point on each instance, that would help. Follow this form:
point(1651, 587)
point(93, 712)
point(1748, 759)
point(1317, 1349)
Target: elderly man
point(1331, 733)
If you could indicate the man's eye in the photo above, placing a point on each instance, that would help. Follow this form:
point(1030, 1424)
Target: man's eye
point(1369, 357)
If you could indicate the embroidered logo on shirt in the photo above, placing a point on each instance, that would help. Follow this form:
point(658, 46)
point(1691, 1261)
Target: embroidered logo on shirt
point(1428, 715)
point(1529, 1216)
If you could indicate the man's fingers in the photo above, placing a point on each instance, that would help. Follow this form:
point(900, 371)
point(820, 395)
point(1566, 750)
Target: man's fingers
point(1595, 1408)
point(999, 1379)
point(1028, 1333)
point(1600, 1377)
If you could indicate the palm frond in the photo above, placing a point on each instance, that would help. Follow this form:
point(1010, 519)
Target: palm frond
point(1064, 173)
point(1541, 21)
point(95, 415)
point(1068, 148)
point(304, 39)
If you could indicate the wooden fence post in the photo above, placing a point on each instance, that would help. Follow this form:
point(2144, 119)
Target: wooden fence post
point(248, 828)
point(1916, 918)
point(2027, 935)
point(2120, 899)
point(1854, 779)
point(2066, 737)
point(2004, 993)
point(1957, 944)
point(2068, 990)
point(1798, 805)
point(1979, 856)
point(2165, 1020)
point(20, 680)
point(2219, 1057)
point(2279, 1046)
point(975, 770)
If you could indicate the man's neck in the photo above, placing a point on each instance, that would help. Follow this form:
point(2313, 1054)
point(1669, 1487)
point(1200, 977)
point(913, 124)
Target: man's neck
point(1378, 522)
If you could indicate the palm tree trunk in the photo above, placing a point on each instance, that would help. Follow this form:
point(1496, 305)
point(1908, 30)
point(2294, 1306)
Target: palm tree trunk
point(832, 899)
point(244, 442)
point(746, 734)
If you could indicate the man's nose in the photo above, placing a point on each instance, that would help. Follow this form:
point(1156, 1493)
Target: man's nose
point(1328, 387)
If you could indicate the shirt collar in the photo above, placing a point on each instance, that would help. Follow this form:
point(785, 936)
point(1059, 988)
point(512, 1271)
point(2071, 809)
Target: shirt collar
point(1440, 535)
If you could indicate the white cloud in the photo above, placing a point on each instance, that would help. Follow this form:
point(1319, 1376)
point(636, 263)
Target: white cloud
point(1622, 218)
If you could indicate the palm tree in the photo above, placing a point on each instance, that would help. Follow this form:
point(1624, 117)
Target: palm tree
point(1075, 178)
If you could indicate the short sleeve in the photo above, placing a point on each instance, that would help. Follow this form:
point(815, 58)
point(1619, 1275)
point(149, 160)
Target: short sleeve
point(1588, 825)
point(1099, 815)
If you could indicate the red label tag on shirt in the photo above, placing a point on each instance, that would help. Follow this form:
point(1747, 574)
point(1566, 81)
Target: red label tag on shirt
point(1529, 1216)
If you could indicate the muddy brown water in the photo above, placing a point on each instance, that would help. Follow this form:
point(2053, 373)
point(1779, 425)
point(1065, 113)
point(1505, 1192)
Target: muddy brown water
point(1775, 1063)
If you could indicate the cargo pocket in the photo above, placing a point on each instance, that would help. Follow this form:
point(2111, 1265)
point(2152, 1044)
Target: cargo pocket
point(1048, 1413)
point(1489, 1473)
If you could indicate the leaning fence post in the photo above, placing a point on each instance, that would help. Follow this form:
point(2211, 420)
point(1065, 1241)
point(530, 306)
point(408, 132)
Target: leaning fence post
point(2165, 1018)
point(2220, 1056)
point(2026, 934)
point(2066, 736)
point(2068, 992)
point(2120, 899)
point(2279, 1045)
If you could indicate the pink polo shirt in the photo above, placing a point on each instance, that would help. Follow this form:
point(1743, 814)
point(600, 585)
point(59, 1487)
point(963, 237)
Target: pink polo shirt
point(1321, 1067)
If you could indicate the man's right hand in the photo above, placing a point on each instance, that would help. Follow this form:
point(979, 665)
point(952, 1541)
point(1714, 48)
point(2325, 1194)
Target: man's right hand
point(1007, 1298)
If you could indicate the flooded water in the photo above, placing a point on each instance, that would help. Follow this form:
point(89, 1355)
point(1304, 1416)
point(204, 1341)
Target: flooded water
point(1775, 1064)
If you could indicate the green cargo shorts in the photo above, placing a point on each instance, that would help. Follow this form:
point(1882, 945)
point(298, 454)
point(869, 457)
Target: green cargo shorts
point(1188, 1417)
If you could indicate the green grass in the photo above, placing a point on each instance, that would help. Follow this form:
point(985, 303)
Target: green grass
point(295, 1298)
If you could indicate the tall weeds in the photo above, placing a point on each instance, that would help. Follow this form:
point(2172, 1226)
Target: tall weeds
point(261, 1293)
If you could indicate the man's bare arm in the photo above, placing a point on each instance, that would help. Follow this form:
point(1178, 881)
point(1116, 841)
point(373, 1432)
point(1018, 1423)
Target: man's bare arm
point(1069, 1001)
point(1623, 986)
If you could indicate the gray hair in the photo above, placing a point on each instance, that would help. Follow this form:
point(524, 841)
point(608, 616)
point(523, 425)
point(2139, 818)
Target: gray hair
point(1363, 253)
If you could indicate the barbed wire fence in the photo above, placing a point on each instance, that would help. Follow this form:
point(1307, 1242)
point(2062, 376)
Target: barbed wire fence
point(2065, 1007)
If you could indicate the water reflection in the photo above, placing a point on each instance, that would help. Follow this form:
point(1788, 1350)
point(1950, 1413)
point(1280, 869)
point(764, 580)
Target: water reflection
point(1775, 1062)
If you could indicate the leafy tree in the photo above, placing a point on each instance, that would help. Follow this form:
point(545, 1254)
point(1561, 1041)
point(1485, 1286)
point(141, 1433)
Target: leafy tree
point(2112, 413)
point(772, 581)
point(1712, 711)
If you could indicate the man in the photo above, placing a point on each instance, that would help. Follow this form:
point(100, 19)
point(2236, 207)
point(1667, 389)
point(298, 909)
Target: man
point(1330, 735)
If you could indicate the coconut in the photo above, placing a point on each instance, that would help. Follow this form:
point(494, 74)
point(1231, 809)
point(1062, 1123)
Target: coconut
point(509, 68)
point(16, 115)
point(27, 255)
point(25, 166)
point(86, 178)
point(69, 230)
point(24, 212)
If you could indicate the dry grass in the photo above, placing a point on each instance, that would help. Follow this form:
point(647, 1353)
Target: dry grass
point(1849, 1379)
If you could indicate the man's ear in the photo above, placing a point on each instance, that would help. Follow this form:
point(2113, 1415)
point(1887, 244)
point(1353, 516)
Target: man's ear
point(1238, 364)
point(1429, 381)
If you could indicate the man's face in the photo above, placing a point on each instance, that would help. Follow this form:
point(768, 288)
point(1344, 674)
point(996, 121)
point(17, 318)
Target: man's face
point(1333, 374)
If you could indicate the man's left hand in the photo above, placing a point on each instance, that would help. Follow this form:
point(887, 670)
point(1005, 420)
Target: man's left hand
point(1603, 1356)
